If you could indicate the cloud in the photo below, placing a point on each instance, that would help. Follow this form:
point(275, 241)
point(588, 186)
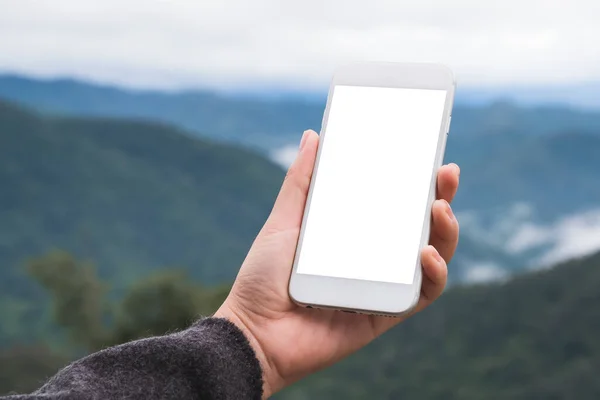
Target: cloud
point(568, 237)
point(516, 231)
point(168, 44)
point(572, 237)
point(529, 236)
point(484, 272)
point(284, 156)
point(497, 227)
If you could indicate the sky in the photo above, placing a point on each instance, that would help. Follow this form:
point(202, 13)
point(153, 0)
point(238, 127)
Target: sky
point(297, 44)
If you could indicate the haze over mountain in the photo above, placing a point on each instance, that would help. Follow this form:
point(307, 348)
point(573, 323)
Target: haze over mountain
point(265, 122)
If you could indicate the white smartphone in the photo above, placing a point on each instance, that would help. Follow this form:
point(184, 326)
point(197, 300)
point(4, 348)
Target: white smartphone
point(367, 215)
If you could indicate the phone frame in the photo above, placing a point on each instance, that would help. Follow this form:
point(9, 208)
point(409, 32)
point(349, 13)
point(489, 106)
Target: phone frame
point(362, 296)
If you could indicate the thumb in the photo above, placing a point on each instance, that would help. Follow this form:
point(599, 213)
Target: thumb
point(289, 206)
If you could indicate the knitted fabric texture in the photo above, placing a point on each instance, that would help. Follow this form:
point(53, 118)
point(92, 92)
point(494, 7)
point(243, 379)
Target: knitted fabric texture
point(210, 360)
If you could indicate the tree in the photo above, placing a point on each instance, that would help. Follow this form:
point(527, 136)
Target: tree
point(24, 368)
point(162, 303)
point(77, 297)
point(158, 304)
point(80, 305)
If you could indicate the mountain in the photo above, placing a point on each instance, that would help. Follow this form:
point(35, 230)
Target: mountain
point(541, 159)
point(505, 117)
point(556, 173)
point(544, 156)
point(534, 199)
point(135, 194)
point(130, 196)
point(534, 337)
point(263, 122)
point(254, 122)
point(143, 195)
point(580, 95)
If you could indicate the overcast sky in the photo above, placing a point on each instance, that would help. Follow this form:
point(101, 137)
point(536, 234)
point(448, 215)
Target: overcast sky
point(296, 44)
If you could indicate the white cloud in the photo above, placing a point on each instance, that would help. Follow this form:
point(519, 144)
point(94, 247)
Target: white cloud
point(284, 156)
point(297, 43)
point(568, 237)
point(484, 272)
point(496, 227)
point(574, 236)
point(529, 236)
point(516, 231)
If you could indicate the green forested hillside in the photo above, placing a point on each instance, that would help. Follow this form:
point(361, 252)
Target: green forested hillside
point(557, 173)
point(535, 337)
point(128, 194)
point(134, 197)
point(145, 196)
point(541, 157)
point(130, 197)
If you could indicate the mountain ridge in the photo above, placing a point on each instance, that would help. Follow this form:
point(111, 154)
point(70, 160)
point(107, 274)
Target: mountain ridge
point(554, 174)
point(68, 177)
point(532, 337)
point(263, 123)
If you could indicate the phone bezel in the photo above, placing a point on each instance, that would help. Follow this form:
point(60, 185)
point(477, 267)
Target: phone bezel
point(371, 297)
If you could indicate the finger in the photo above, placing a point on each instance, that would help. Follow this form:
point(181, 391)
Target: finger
point(444, 229)
point(435, 276)
point(447, 182)
point(289, 206)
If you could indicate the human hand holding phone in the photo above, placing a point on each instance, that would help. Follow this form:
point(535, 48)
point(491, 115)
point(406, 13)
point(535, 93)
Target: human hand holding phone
point(292, 341)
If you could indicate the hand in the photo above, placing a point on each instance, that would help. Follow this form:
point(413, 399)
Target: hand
point(292, 341)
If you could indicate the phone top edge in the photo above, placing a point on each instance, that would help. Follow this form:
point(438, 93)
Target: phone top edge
point(400, 75)
point(399, 65)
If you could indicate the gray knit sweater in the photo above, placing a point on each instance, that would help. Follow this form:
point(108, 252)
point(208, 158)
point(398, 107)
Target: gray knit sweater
point(210, 360)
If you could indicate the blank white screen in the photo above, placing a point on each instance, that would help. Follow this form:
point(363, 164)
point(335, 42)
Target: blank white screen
point(372, 184)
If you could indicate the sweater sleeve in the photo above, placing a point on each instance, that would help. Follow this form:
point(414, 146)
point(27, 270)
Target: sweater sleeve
point(210, 360)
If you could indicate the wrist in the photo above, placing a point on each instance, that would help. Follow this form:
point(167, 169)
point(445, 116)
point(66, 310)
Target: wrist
point(241, 322)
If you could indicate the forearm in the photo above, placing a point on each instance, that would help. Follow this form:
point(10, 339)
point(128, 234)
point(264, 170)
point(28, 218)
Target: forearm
point(210, 360)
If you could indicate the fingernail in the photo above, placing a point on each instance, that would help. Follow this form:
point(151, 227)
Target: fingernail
point(456, 168)
point(449, 212)
point(303, 140)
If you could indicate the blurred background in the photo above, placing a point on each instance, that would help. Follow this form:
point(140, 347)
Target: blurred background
point(142, 144)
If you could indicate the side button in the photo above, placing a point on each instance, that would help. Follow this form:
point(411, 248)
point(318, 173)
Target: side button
point(448, 125)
